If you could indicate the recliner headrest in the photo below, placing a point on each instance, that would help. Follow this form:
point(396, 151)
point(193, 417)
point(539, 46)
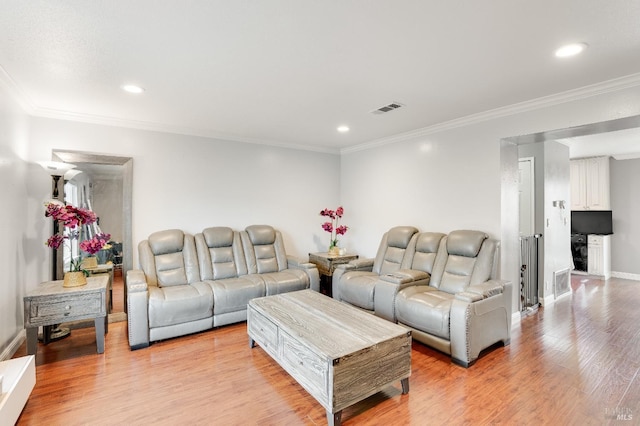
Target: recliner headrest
point(465, 243)
point(169, 241)
point(218, 236)
point(400, 236)
point(261, 234)
point(428, 242)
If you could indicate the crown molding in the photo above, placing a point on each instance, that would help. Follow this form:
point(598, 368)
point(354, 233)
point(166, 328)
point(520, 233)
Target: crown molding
point(164, 128)
point(31, 109)
point(12, 88)
point(608, 86)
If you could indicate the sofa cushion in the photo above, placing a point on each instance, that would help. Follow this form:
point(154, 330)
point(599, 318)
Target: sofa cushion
point(400, 236)
point(465, 243)
point(233, 294)
point(427, 245)
point(219, 236)
point(261, 234)
point(169, 241)
point(179, 304)
point(426, 309)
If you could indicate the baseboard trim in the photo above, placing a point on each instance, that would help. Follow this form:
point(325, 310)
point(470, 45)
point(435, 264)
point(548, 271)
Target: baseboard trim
point(625, 276)
point(14, 345)
point(516, 319)
point(548, 300)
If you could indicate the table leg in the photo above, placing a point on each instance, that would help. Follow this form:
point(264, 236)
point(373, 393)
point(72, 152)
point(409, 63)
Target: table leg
point(334, 419)
point(32, 340)
point(405, 386)
point(100, 327)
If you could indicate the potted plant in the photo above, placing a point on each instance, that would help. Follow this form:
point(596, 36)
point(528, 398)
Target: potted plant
point(71, 220)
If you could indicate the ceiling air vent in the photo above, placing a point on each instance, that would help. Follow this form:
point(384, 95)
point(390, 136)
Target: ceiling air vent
point(392, 106)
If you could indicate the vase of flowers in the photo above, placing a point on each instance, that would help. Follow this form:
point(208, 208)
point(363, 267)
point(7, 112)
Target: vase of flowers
point(333, 227)
point(72, 220)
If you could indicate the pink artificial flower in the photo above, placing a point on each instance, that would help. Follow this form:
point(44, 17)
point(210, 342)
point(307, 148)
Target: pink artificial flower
point(341, 230)
point(95, 244)
point(327, 212)
point(55, 241)
point(327, 226)
point(339, 212)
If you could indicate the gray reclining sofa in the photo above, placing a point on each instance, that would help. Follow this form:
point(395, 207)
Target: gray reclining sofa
point(192, 283)
point(442, 287)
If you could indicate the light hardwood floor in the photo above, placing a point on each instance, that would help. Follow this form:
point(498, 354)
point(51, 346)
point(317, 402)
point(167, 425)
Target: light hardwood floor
point(576, 362)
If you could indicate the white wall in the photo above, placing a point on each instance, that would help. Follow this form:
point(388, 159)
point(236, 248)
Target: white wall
point(16, 231)
point(557, 221)
point(451, 179)
point(191, 183)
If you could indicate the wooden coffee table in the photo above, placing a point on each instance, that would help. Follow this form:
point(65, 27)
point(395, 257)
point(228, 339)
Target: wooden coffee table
point(339, 354)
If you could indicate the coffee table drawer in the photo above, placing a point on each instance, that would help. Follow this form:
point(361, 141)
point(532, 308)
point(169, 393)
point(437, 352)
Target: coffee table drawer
point(45, 311)
point(309, 369)
point(263, 331)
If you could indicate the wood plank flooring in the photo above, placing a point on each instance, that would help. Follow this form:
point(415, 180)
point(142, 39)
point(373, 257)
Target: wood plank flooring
point(576, 362)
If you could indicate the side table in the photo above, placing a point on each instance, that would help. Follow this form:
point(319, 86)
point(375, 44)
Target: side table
point(326, 264)
point(105, 268)
point(51, 303)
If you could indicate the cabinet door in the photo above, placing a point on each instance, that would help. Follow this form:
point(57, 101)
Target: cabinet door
point(595, 255)
point(577, 171)
point(597, 179)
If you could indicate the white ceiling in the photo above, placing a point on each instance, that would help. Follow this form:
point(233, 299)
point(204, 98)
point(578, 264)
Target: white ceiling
point(288, 72)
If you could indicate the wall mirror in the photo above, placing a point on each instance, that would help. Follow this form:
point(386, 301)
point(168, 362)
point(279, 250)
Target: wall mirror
point(103, 183)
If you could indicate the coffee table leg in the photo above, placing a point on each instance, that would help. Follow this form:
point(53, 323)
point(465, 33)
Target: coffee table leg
point(100, 334)
point(334, 419)
point(405, 386)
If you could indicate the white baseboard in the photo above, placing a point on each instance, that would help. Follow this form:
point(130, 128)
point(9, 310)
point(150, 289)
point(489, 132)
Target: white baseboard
point(626, 276)
point(548, 300)
point(516, 318)
point(13, 346)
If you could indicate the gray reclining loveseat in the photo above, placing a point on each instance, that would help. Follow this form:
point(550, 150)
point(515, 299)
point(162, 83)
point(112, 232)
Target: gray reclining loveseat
point(188, 284)
point(447, 296)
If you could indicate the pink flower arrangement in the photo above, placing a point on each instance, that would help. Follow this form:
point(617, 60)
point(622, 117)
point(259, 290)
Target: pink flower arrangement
point(332, 226)
point(73, 217)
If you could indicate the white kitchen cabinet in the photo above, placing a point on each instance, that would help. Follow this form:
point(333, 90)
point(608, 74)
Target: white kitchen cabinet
point(599, 255)
point(590, 184)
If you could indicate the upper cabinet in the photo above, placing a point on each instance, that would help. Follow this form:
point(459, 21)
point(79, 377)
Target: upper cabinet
point(590, 184)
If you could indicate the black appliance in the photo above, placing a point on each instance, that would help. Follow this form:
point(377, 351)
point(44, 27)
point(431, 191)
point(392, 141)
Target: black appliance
point(591, 222)
point(579, 251)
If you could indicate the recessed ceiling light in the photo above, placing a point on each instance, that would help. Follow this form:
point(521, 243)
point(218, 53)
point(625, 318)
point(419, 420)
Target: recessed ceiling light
point(132, 88)
point(343, 129)
point(570, 50)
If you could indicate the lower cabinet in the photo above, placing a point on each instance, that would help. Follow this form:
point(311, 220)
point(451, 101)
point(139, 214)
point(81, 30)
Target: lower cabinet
point(599, 255)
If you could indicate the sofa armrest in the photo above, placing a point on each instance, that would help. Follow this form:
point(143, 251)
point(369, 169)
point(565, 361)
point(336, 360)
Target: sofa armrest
point(311, 270)
point(405, 276)
point(137, 309)
point(486, 289)
point(388, 286)
point(357, 265)
point(136, 281)
point(480, 318)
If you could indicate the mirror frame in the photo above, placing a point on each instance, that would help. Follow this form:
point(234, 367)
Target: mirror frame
point(73, 157)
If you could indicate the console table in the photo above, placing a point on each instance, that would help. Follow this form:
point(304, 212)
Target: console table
point(51, 303)
point(326, 264)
